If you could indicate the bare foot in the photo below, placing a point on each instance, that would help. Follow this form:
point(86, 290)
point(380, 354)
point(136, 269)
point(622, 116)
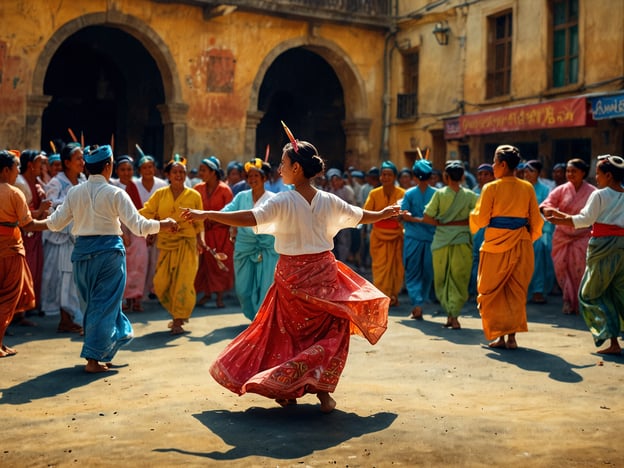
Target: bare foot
point(417, 313)
point(614, 348)
point(511, 341)
point(5, 351)
point(394, 301)
point(219, 301)
point(500, 343)
point(176, 327)
point(284, 402)
point(94, 367)
point(455, 323)
point(327, 402)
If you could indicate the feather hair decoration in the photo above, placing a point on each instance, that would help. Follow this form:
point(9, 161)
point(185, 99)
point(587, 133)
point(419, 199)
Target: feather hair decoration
point(72, 135)
point(266, 153)
point(291, 137)
point(139, 151)
point(53, 146)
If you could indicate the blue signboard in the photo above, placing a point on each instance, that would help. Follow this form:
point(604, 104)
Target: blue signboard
point(608, 107)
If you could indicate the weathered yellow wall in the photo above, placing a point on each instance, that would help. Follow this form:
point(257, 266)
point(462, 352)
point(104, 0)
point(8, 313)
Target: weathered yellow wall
point(457, 72)
point(216, 121)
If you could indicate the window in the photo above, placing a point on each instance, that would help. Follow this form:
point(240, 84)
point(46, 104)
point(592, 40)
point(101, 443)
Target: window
point(407, 103)
point(565, 42)
point(499, 55)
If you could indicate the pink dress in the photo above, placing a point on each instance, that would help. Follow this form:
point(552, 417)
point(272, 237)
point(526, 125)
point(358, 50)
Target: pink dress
point(569, 245)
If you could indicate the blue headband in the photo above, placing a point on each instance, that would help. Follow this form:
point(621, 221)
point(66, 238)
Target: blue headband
point(101, 153)
point(389, 165)
point(53, 158)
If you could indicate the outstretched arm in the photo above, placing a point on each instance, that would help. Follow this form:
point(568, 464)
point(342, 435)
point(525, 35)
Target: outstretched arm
point(231, 218)
point(557, 217)
point(388, 212)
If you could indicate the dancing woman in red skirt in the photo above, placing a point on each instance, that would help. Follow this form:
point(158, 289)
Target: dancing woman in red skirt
point(299, 340)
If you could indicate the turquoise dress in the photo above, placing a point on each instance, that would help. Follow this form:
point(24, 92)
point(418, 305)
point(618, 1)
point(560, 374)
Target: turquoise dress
point(543, 279)
point(254, 258)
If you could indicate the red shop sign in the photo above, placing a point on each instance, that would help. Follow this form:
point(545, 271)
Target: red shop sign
point(570, 112)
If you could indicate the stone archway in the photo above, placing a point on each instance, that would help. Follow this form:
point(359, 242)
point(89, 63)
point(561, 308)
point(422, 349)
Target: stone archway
point(173, 110)
point(356, 124)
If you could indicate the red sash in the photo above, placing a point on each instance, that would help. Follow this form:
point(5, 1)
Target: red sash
point(606, 230)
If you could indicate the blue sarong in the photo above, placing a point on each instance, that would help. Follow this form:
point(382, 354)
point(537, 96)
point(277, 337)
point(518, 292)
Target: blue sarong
point(100, 276)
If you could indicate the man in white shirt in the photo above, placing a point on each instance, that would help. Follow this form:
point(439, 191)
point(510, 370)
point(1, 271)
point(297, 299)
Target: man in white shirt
point(97, 210)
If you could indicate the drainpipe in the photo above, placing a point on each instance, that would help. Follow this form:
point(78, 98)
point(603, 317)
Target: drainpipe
point(385, 146)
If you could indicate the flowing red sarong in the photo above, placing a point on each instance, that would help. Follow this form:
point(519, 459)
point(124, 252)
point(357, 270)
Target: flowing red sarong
point(299, 340)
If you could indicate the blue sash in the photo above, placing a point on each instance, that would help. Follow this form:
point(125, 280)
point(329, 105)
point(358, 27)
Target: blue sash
point(89, 246)
point(508, 222)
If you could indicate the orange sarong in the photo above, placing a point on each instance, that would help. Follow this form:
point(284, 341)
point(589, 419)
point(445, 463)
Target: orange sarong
point(16, 289)
point(299, 341)
point(503, 281)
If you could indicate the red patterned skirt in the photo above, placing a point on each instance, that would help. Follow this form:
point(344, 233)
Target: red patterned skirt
point(299, 340)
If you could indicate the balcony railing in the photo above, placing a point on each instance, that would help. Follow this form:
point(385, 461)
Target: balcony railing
point(407, 106)
point(375, 13)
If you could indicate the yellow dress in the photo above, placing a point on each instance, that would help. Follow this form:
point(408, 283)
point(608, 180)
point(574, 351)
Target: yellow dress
point(506, 255)
point(386, 244)
point(178, 259)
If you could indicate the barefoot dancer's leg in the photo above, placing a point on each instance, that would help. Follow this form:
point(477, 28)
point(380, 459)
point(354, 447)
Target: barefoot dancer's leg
point(5, 351)
point(93, 366)
point(417, 313)
point(500, 343)
point(614, 348)
point(327, 402)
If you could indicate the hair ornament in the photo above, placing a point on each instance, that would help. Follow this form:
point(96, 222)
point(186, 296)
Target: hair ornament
point(178, 159)
point(255, 163)
point(291, 137)
point(72, 135)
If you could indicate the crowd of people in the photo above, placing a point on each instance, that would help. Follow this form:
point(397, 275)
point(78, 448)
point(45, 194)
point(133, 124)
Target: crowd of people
point(290, 242)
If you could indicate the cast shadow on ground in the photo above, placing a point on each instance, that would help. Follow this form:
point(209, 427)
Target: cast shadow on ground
point(155, 340)
point(435, 329)
point(54, 383)
point(284, 433)
point(538, 361)
point(220, 334)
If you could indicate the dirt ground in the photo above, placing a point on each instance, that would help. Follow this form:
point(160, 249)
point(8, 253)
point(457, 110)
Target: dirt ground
point(423, 396)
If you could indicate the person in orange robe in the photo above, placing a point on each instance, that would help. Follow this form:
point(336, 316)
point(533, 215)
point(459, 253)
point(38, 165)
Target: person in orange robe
point(16, 283)
point(386, 238)
point(509, 211)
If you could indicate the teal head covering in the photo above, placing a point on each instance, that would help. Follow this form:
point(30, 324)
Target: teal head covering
point(422, 169)
point(96, 155)
point(389, 165)
point(53, 158)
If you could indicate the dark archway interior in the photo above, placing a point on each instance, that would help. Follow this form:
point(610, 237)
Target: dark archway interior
point(103, 82)
point(302, 89)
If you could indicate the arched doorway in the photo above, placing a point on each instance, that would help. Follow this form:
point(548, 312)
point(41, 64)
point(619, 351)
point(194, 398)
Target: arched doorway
point(172, 110)
point(343, 142)
point(104, 83)
point(302, 89)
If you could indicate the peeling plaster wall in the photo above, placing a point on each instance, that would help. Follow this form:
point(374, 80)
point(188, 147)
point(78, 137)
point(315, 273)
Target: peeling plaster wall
point(232, 46)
